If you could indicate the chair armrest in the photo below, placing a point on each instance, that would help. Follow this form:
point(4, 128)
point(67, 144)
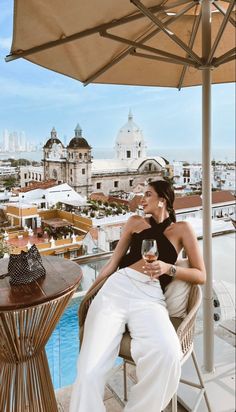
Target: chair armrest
point(186, 329)
point(185, 332)
point(84, 306)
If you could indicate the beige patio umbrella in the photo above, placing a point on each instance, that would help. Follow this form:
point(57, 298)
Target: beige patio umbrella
point(172, 43)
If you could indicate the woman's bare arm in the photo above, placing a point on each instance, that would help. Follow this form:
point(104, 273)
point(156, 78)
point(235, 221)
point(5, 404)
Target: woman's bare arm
point(196, 273)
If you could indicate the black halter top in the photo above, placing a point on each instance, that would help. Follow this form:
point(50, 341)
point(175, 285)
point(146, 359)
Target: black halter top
point(167, 252)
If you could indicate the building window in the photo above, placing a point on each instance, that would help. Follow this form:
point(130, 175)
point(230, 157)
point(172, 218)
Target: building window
point(71, 171)
point(80, 155)
point(116, 183)
point(83, 171)
point(99, 185)
point(131, 182)
point(25, 176)
point(128, 154)
point(139, 153)
point(71, 179)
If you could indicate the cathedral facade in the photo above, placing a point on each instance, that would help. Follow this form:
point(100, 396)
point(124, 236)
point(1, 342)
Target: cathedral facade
point(74, 164)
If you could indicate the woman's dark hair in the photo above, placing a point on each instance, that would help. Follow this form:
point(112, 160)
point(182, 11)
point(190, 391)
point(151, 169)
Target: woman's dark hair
point(164, 189)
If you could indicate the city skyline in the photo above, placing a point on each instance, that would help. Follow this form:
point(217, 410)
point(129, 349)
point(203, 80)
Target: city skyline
point(34, 99)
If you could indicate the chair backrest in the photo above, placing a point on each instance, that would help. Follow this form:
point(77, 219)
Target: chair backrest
point(195, 298)
point(186, 329)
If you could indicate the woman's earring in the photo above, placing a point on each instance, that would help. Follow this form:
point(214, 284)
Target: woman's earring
point(160, 204)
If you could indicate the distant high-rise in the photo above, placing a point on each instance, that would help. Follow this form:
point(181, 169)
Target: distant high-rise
point(16, 142)
point(5, 145)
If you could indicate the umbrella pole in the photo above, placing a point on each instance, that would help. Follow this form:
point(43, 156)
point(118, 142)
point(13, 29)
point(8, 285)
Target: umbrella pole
point(208, 321)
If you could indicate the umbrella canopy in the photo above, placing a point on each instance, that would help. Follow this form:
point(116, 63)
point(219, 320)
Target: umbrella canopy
point(153, 43)
point(172, 43)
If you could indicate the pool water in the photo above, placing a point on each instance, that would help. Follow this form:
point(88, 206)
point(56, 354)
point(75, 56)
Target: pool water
point(63, 347)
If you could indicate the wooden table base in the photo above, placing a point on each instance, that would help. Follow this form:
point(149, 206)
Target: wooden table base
point(25, 381)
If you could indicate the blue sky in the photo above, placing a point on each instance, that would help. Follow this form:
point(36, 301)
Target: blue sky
point(34, 99)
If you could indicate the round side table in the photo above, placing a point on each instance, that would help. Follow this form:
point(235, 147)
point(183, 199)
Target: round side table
point(28, 316)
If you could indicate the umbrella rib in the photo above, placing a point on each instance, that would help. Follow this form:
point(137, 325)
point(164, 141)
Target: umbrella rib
point(221, 59)
point(225, 60)
point(135, 44)
point(129, 50)
point(191, 43)
point(160, 58)
point(220, 32)
point(88, 32)
point(218, 7)
point(171, 35)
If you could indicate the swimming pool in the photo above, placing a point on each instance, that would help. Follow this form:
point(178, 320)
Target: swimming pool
point(63, 347)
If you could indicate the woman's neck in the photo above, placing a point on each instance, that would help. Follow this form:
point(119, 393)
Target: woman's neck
point(159, 217)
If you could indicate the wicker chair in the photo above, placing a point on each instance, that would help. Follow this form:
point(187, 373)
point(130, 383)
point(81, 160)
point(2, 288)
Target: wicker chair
point(184, 329)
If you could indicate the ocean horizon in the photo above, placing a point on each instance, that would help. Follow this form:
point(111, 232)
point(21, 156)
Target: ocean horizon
point(192, 155)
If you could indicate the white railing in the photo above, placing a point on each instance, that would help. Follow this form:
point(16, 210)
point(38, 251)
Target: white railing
point(107, 220)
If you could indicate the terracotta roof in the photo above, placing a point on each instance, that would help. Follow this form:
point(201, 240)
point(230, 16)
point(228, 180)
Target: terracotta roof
point(222, 196)
point(186, 202)
point(118, 200)
point(46, 184)
point(98, 196)
point(135, 202)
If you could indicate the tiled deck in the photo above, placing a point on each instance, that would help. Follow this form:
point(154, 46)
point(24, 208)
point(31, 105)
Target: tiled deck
point(220, 385)
point(114, 388)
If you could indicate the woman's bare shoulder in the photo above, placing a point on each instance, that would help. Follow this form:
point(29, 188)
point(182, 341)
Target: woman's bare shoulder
point(183, 227)
point(137, 223)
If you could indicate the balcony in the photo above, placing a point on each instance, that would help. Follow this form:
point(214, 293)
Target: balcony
point(220, 384)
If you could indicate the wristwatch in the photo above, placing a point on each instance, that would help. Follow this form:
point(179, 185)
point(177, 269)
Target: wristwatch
point(172, 271)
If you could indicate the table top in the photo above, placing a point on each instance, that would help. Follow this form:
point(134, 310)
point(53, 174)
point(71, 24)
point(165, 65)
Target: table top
point(62, 276)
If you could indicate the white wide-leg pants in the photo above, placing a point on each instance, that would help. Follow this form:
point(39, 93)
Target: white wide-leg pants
point(127, 298)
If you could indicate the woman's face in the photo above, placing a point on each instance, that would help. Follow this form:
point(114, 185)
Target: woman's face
point(150, 200)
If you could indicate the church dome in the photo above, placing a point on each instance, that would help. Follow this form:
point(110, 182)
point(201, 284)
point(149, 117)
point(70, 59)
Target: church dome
point(130, 133)
point(53, 139)
point(78, 142)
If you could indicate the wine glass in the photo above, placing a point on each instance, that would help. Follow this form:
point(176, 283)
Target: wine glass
point(149, 251)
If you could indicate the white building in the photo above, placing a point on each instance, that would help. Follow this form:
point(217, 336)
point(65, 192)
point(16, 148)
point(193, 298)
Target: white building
point(46, 197)
point(75, 165)
point(222, 175)
point(6, 170)
point(31, 174)
point(130, 142)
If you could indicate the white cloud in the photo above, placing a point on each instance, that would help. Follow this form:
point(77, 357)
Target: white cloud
point(5, 43)
point(36, 92)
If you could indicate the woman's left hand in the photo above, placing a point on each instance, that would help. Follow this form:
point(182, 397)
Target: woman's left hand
point(156, 268)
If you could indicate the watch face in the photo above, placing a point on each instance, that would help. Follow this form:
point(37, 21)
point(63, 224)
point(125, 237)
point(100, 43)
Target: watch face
point(173, 271)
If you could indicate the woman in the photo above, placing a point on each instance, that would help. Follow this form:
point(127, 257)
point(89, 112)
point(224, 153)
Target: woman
point(131, 297)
